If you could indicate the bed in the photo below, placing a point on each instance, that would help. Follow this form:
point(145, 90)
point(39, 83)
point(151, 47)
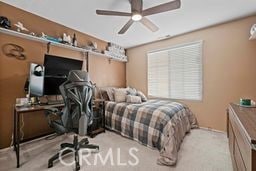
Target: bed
point(158, 124)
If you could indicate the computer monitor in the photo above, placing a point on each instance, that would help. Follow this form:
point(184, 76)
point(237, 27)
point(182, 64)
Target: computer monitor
point(36, 80)
point(56, 71)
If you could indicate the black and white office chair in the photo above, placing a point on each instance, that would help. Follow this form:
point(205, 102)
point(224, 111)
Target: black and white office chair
point(76, 116)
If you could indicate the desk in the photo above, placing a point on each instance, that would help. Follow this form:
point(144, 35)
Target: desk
point(16, 131)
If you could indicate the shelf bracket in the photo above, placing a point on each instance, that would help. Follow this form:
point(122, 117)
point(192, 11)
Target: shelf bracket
point(48, 47)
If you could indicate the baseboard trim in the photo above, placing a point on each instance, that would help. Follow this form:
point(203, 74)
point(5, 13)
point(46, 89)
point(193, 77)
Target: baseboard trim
point(8, 148)
point(214, 130)
point(5, 149)
point(27, 142)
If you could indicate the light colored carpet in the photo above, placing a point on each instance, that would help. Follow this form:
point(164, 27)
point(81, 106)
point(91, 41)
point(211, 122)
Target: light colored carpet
point(201, 150)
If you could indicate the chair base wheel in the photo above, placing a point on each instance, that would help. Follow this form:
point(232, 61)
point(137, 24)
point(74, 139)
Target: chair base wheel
point(67, 148)
point(50, 165)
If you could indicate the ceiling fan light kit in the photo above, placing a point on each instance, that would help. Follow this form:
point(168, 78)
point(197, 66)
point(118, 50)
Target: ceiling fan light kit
point(136, 17)
point(138, 14)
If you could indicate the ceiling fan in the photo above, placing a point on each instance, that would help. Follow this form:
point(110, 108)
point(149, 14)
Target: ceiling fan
point(138, 14)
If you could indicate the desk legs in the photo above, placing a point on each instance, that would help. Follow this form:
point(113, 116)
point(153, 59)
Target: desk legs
point(103, 117)
point(16, 137)
point(14, 129)
point(18, 141)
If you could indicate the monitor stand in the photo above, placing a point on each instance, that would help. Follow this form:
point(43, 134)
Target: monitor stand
point(34, 101)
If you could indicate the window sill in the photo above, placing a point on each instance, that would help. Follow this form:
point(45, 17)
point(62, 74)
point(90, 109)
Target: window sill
point(183, 100)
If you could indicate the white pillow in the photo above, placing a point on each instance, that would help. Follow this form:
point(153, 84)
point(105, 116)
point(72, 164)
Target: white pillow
point(131, 91)
point(120, 95)
point(133, 99)
point(142, 95)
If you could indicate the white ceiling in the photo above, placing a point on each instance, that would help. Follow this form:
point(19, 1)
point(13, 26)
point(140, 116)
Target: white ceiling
point(80, 15)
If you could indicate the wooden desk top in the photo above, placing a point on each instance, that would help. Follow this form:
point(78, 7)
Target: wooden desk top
point(24, 109)
point(247, 118)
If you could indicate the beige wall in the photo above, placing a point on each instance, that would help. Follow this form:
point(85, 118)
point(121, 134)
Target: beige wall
point(13, 72)
point(229, 68)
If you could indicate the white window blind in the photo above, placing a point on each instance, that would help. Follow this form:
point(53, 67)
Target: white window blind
point(176, 72)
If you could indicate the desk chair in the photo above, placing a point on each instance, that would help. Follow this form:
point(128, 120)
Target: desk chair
point(76, 116)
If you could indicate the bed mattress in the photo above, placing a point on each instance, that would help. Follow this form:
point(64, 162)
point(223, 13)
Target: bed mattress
point(158, 124)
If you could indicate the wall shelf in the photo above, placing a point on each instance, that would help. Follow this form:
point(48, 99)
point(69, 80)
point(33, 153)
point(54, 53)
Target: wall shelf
point(46, 41)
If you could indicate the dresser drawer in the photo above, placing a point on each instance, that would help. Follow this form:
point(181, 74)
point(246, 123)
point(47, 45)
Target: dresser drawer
point(241, 143)
point(231, 138)
point(238, 158)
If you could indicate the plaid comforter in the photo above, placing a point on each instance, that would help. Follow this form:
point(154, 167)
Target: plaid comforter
point(157, 124)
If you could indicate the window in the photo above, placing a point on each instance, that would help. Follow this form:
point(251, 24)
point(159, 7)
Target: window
point(176, 72)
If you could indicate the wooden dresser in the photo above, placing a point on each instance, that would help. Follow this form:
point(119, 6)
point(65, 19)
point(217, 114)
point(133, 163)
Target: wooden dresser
point(241, 128)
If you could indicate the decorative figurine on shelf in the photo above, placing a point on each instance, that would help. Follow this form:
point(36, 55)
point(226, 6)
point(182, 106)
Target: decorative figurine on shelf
point(5, 22)
point(32, 34)
point(20, 27)
point(43, 35)
point(66, 39)
point(58, 40)
point(74, 41)
point(95, 45)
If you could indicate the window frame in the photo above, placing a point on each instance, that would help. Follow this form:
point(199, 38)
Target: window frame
point(202, 69)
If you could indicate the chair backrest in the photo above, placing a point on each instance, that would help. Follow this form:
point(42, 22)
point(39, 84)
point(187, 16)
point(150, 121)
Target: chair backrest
point(77, 94)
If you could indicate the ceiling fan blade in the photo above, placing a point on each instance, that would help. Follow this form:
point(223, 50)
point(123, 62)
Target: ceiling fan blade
point(151, 26)
point(162, 8)
point(136, 5)
point(126, 27)
point(115, 13)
